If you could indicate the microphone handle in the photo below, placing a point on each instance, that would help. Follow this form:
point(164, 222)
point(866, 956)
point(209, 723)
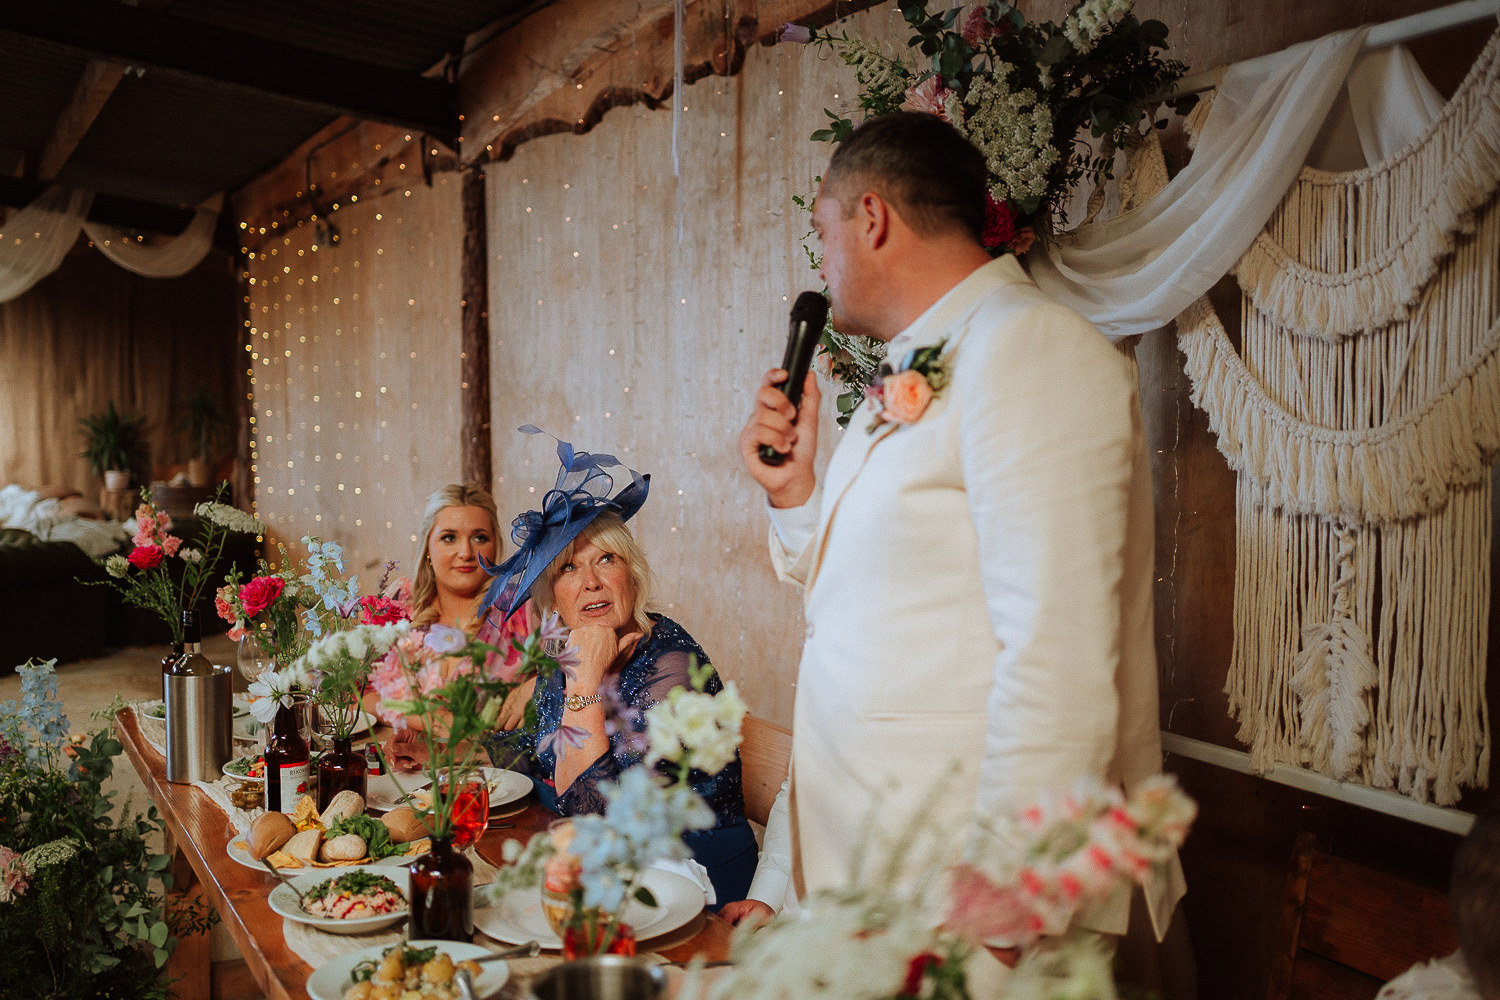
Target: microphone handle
point(799, 350)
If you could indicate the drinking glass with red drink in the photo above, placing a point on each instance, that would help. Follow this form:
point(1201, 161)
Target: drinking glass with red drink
point(470, 812)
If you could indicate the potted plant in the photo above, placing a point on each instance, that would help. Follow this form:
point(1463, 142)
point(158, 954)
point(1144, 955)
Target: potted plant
point(204, 425)
point(111, 442)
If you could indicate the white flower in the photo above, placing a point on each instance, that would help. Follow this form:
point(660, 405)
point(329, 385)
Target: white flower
point(117, 566)
point(274, 689)
point(1093, 20)
point(190, 555)
point(357, 643)
point(701, 730)
point(51, 853)
point(1013, 129)
point(229, 517)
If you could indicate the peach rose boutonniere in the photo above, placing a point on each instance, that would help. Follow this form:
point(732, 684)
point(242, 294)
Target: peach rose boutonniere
point(902, 395)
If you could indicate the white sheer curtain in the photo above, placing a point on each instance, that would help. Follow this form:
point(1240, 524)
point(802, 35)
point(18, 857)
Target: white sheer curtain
point(1136, 272)
point(163, 256)
point(34, 241)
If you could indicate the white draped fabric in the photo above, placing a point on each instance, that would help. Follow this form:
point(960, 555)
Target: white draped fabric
point(34, 241)
point(163, 256)
point(1136, 272)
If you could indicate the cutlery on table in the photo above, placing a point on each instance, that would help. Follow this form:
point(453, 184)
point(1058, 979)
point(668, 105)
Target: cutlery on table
point(531, 949)
point(465, 982)
point(286, 881)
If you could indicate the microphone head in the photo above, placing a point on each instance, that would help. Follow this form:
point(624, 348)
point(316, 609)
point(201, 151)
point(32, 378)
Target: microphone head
point(811, 307)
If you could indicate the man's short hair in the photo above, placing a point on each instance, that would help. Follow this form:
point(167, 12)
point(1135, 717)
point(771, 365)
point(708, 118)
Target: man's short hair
point(1474, 896)
point(933, 177)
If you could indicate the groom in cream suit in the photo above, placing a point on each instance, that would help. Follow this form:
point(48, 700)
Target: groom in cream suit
point(977, 574)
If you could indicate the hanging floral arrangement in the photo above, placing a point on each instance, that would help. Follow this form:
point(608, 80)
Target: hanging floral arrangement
point(1047, 104)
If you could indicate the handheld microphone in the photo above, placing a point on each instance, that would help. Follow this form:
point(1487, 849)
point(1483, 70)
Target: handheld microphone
point(809, 316)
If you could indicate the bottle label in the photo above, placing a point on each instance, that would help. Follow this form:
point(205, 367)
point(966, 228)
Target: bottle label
point(285, 786)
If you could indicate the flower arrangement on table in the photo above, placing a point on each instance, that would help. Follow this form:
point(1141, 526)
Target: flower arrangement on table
point(144, 577)
point(886, 937)
point(593, 868)
point(81, 911)
point(289, 614)
point(454, 685)
point(1023, 93)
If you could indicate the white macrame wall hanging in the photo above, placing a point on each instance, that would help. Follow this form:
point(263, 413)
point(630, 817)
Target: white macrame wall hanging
point(1362, 414)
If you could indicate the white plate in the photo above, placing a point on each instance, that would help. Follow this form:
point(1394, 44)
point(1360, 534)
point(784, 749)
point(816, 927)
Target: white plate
point(241, 855)
point(518, 917)
point(382, 794)
point(158, 710)
point(284, 901)
point(259, 780)
point(330, 979)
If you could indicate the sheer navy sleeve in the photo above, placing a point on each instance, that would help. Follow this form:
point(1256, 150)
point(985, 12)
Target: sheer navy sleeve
point(659, 664)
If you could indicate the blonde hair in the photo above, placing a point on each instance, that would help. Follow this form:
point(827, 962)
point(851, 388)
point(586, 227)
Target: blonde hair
point(609, 533)
point(424, 587)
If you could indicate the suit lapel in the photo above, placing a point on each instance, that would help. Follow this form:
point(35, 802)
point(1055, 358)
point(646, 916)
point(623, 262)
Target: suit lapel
point(950, 316)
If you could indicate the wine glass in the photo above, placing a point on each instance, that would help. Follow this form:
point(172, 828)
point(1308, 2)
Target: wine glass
point(253, 658)
point(470, 811)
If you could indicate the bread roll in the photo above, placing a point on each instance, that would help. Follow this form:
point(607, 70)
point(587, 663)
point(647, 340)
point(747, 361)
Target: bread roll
point(404, 825)
point(345, 847)
point(344, 805)
point(304, 846)
point(269, 831)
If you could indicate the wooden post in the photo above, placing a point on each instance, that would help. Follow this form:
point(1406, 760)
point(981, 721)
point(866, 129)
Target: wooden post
point(475, 312)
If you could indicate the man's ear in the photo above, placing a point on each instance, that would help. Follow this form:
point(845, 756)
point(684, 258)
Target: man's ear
point(874, 217)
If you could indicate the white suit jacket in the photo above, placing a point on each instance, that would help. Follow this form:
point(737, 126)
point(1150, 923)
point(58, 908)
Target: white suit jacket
point(977, 590)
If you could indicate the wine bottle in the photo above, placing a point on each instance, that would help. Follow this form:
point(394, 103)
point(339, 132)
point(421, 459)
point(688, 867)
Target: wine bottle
point(192, 662)
point(198, 698)
point(287, 762)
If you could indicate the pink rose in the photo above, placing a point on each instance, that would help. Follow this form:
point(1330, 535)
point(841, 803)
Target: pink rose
point(928, 97)
point(146, 556)
point(170, 544)
point(1023, 240)
point(906, 397)
point(260, 593)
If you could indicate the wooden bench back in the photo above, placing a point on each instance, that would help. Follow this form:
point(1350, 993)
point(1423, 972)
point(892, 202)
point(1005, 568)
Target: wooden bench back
point(1347, 929)
point(765, 755)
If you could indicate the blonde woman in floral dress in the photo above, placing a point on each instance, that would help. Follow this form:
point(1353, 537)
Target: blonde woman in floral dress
point(460, 528)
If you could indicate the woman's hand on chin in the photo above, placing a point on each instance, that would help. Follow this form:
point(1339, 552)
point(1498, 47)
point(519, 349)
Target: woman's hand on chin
point(598, 649)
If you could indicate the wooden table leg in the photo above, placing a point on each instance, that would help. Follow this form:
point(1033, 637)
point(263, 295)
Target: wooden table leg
point(190, 964)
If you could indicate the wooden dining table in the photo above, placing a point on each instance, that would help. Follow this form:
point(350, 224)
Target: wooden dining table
point(197, 837)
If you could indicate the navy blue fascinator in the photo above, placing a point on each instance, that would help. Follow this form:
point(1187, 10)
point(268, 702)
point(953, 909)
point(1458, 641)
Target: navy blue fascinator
point(580, 495)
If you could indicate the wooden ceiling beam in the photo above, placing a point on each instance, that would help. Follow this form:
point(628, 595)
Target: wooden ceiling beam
point(98, 81)
point(112, 31)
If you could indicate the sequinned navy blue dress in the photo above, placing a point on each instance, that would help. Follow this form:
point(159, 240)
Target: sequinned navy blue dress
point(659, 664)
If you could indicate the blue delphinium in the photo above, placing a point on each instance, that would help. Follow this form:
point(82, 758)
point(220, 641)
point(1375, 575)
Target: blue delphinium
point(339, 596)
point(40, 711)
point(643, 823)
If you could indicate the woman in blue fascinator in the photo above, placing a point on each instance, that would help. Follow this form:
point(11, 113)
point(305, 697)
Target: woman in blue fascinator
point(576, 556)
